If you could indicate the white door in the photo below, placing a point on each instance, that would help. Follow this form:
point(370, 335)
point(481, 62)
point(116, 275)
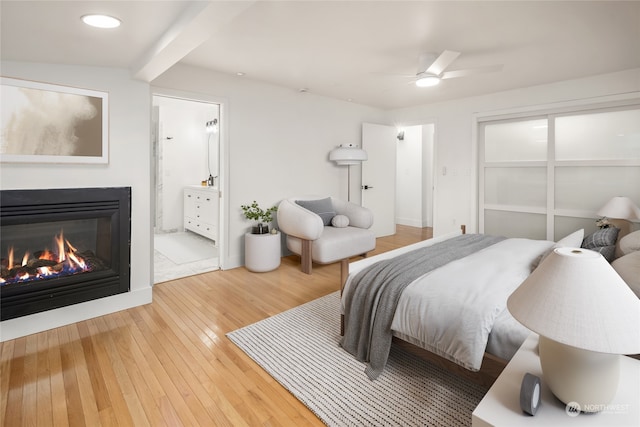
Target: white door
point(379, 176)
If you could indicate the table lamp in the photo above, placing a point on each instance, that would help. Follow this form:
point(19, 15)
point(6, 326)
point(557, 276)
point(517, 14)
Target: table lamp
point(620, 208)
point(587, 317)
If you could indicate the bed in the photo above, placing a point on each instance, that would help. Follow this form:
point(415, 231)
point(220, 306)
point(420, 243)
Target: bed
point(460, 302)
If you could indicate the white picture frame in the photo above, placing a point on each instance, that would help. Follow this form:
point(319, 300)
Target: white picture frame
point(47, 123)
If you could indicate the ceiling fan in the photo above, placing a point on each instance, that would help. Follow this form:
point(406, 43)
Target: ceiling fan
point(432, 69)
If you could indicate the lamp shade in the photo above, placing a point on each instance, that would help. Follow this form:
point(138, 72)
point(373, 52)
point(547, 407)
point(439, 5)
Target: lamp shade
point(620, 208)
point(347, 154)
point(575, 297)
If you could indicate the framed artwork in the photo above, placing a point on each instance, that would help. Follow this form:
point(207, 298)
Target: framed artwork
point(46, 123)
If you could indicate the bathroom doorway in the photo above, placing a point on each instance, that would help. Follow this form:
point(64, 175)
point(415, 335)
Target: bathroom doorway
point(186, 148)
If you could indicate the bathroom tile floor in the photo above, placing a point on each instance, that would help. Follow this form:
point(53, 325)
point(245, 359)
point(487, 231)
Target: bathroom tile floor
point(172, 264)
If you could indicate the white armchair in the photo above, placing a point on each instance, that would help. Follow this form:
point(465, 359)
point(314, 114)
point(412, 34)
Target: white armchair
point(311, 235)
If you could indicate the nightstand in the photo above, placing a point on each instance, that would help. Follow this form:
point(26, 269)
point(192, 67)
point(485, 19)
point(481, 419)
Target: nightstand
point(501, 405)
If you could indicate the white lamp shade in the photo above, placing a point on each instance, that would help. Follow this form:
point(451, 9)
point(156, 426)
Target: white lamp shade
point(620, 208)
point(576, 298)
point(348, 155)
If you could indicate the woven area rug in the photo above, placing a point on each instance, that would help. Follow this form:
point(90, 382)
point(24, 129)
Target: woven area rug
point(300, 349)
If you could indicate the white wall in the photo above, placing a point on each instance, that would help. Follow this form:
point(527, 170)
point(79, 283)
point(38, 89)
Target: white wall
point(279, 141)
point(427, 174)
point(414, 180)
point(129, 165)
point(409, 179)
point(455, 193)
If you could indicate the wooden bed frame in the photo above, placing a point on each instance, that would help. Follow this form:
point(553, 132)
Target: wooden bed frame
point(491, 367)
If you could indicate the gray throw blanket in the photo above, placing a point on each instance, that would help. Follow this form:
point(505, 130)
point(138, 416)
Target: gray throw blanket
point(374, 292)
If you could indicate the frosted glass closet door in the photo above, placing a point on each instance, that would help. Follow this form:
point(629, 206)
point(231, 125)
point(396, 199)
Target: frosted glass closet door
point(514, 180)
point(597, 156)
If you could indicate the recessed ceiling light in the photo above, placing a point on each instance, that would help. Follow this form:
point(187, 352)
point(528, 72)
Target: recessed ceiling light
point(240, 73)
point(101, 21)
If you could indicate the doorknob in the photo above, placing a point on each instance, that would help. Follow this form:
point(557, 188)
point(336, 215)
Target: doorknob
point(366, 187)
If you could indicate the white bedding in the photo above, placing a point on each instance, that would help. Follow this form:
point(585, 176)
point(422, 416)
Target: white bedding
point(459, 311)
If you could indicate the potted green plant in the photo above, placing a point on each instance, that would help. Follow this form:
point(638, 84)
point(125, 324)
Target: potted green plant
point(263, 216)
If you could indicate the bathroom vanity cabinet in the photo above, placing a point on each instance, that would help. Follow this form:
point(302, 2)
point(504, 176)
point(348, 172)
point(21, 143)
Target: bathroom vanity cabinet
point(201, 211)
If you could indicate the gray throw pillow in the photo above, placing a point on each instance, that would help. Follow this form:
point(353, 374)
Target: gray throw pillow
point(321, 207)
point(600, 238)
point(608, 252)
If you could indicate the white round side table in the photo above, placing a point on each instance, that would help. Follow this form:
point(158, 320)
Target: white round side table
point(261, 252)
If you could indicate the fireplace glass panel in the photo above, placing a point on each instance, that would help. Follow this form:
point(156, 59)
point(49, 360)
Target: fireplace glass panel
point(46, 250)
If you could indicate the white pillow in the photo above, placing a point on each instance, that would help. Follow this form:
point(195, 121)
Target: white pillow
point(628, 267)
point(340, 221)
point(573, 240)
point(630, 243)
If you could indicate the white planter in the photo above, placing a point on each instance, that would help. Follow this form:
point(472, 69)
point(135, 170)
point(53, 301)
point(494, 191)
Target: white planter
point(261, 252)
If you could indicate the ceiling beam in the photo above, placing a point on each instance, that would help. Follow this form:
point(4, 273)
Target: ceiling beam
point(196, 24)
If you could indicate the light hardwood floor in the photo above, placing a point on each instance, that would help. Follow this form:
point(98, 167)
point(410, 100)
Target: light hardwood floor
point(168, 362)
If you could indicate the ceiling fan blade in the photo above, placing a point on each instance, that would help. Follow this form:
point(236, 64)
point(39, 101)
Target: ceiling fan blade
point(444, 60)
point(471, 71)
point(425, 60)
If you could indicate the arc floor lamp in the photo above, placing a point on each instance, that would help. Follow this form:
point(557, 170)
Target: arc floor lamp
point(348, 155)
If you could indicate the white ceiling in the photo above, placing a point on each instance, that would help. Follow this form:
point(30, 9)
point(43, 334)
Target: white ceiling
point(343, 49)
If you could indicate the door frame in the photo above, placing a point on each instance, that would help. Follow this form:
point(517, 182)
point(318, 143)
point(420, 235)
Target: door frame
point(223, 178)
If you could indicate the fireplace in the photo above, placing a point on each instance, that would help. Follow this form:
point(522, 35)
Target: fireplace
point(60, 247)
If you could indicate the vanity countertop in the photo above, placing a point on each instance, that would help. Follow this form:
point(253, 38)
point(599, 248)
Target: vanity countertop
point(203, 187)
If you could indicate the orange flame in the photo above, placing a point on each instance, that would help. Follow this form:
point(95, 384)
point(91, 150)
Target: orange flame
point(25, 258)
point(61, 252)
point(11, 257)
point(73, 259)
point(66, 255)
